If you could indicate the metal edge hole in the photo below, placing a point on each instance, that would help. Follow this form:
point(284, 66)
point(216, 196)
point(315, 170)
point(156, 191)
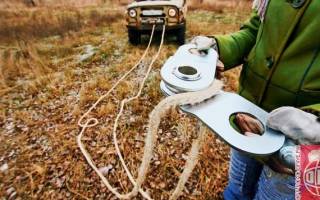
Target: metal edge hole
point(187, 70)
point(235, 126)
point(187, 73)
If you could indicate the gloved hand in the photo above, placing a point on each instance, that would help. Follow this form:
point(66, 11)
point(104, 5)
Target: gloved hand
point(296, 124)
point(204, 43)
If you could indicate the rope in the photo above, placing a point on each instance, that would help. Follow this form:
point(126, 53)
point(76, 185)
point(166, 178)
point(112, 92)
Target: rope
point(191, 162)
point(153, 124)
point(93, 122)
point(123, 103)
point(154, 120)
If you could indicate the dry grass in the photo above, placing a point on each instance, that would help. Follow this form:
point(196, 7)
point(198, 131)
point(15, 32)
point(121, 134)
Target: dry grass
point(21, 54)
point(218, 6)
point(44, 90)
point(54, 3)
point(47, 21)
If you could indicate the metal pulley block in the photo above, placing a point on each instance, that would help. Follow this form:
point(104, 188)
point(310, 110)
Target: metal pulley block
point(187, 71)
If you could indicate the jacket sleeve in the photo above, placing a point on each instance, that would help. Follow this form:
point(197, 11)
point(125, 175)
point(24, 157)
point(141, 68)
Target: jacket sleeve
point(233, 48)
point(315, 109)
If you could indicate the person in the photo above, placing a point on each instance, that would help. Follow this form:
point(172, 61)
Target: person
point(279, 50)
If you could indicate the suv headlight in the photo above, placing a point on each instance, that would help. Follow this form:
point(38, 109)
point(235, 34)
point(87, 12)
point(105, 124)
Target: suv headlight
point(132, 13)
point(172, 12)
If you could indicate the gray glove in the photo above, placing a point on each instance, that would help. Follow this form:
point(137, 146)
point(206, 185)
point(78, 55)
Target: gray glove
point(204, 43)
point(296, 124)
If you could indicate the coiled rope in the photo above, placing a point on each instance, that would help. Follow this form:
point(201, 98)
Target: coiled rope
point(154, 121)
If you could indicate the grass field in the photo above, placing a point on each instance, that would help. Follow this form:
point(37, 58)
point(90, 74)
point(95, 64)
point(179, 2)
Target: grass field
point(56, 59)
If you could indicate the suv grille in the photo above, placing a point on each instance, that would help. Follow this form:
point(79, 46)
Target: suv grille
point(152, 13)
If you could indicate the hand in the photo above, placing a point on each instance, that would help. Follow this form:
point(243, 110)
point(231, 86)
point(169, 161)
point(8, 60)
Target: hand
point(219, 70)
point(296, 124)
point(204, 43)
point(275, 164)
point(251, 127)
point(248, 125)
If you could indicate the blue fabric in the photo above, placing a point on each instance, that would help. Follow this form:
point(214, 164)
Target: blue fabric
point(273, 185)
point(244, 173)
point(249, 179)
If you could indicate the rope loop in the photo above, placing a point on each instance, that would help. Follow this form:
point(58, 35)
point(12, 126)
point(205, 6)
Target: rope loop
point(91, 122)
point(153, 125)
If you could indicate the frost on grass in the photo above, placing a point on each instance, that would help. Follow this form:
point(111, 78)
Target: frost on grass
point(89, 51)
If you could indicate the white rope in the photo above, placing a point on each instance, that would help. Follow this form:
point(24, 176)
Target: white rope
point(154, 121)
point(93, 122)
point(191, 162)
point(155, 117)
point(123, 103)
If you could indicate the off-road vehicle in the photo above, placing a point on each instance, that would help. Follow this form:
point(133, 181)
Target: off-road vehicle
point(142, 14)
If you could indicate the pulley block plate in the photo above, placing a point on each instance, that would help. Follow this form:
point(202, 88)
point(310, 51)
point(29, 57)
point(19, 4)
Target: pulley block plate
point(188, 72)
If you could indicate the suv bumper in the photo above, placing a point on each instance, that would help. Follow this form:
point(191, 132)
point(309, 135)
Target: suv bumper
point(148, 27)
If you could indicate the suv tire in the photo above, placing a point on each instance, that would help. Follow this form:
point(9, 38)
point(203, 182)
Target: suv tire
point(134, 37)
point(181, 35)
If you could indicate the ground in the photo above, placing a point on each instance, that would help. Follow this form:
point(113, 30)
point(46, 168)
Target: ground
point(56, 60)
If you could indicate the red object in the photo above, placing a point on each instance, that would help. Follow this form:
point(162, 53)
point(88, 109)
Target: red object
point(308, 172)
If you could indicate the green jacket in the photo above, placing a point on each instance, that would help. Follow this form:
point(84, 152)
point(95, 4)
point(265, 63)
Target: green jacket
point(280, 56)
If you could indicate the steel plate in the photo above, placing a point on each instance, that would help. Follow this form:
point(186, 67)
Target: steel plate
point(216, 113)
point(205, 66)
